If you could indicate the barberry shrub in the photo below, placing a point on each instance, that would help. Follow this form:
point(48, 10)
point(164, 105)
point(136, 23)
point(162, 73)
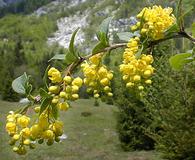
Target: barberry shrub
point(153, 26)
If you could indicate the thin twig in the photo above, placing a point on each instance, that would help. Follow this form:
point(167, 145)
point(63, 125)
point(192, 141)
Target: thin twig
point(181, 34)
point(82, 59)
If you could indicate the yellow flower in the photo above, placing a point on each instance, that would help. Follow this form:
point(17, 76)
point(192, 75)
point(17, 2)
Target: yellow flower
point(96, 95)
point(43, 121)
point(57, 127)
point(147, 73)
point(37, 109)
point(35, 130)
point(23, 121)
point(11, 118)
point(26, 142)
point(75, 96)
point(133, 28)
point(107, 88)
point(105, 82)
point(136, 78)
point(67, 79)
point(77, 82)
point(48, 134)
point(148, 81)
point(110, 94)
point(63, 94)
point(75, 89)
point(129, 84)
point(54, 89)
point(11, 127)
point(140, 87)
point(16, 137)
point(110, 76)
point(26, 132)
point(102, 71)
point(95, 59)
point(63, 106)
point(55, 100)
point(54, 75)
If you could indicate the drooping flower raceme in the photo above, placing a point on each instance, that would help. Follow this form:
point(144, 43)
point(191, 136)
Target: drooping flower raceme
point(46, 127)
point(136, 70)
point(97, 76)
point(154, 21)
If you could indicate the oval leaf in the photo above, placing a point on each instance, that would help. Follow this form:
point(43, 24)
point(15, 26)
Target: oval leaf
point(178, 61)
point(102, 34)
point(69, 58)
point(19, 84)
point(44, 94)
point(58, 57)
point(54, 111)
point(71, 45)
point(105, 25)
point(45, 103)
point(172, 29)
point(125, 36)
point(99, 47)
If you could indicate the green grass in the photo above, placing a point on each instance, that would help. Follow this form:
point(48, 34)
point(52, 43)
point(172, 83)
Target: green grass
point(89, 138)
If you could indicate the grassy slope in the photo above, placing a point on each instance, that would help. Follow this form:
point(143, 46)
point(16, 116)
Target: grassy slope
point(89, 138)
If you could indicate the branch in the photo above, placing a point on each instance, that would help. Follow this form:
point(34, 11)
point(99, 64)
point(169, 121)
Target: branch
point(181, 34)
point(179, 13)
point(107, 49)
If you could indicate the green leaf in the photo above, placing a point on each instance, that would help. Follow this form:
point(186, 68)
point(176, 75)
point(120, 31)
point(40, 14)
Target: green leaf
point(45, 77)
point(43, 93)
point(104, 26)
point(125, 36)
point(186, 12)
point(71, 45)
point(57, 57)
point(172, 29)
point(19, 84)
point(69, 58)
point(178, 61)
point(102, 34)
point(178, 9)
point(138, 54)
point(45, 103)
point(193, 29)
point(54, 111)
point(29, 88)
point(99, 47)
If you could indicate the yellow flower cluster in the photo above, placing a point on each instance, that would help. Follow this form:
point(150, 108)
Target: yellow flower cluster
point(97, 76)
point(17, 127)
point(67, 89)
point(22, 135)
point(136, 70)
point(154, 21)
point(46, 128)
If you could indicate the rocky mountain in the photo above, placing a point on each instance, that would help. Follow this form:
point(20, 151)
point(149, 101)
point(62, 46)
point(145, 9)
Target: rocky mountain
point(82, 18)
point(2, 3)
